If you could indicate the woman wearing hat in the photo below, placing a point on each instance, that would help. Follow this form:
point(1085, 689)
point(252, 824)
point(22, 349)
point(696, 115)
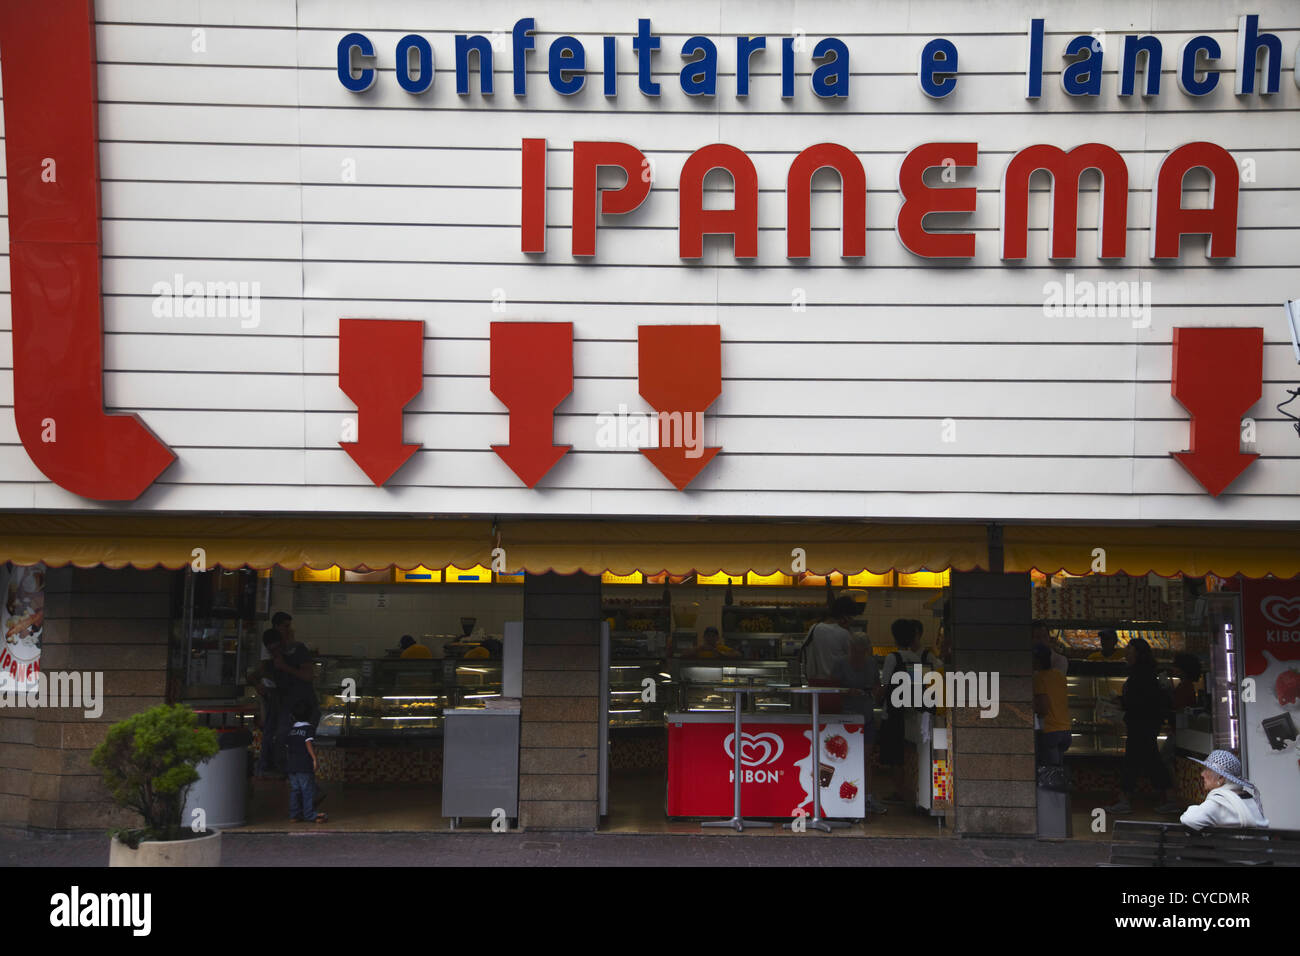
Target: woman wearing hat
point(1230, 801)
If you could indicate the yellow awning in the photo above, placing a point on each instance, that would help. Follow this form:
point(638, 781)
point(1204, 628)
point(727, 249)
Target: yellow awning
point(149, 541)
point(1194, 552)
point(622, 547)
point(678, 547)
point(734, 547)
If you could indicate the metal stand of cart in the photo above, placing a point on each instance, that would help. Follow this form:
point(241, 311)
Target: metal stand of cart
point(736, 822)
point(816, 822)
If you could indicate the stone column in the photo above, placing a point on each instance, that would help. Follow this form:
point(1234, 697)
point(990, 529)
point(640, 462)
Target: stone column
point(114, 623)
point(993, 758)
point(559, 733)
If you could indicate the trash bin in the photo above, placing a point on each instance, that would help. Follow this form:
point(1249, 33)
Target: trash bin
point(221, 788)
point(1054, 821)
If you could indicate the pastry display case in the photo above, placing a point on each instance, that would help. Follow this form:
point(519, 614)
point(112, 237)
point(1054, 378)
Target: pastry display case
point(408, 698)
point(1096, 721)
point(627, 688)
point(696, 682)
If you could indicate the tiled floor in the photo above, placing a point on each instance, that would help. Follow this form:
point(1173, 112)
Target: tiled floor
point(636, 806)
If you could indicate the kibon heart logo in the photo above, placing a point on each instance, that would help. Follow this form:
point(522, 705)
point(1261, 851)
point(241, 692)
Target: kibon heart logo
point(755, 749)
point(1284, 612)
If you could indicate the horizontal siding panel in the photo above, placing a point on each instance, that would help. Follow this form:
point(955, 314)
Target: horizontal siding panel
point(740, 283)
point(262, 13)
point(876, 17)
point(871, 437)
point(222, 45)
point(1072, 400)
point(902, 505)
point(805, 362)
point(952, 324)
point(205, 202)
point(627, 470)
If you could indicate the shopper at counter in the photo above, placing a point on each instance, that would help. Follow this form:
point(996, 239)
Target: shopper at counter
point(413, 651)
point(1040, 633)
point(1230, 800)
point(1051, 704)
point(827, 648)
point(1146, 708)
point(296, 674)
point(902, 658)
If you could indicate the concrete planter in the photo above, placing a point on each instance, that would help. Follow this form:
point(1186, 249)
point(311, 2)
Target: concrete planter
point(199, 851)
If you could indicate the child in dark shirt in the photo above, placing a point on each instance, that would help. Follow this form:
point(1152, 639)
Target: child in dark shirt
point(300, 761)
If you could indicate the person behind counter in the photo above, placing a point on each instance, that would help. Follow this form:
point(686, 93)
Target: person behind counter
point(413, 651)
point(1051, 704)
point(1146, 707)
point(1230, 800)
point(711, 645)
point(1040, 633)
point(1109, 647)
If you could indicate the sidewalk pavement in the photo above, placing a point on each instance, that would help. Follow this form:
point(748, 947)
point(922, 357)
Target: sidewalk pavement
point(484, 848)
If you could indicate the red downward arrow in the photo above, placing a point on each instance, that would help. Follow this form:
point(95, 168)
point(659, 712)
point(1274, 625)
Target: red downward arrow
point(532, 372)
point(680, 375)
point(381, 368)
point(1218, 375)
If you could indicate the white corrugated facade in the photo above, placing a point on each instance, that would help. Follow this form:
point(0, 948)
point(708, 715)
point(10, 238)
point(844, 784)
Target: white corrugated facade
point(236, 164)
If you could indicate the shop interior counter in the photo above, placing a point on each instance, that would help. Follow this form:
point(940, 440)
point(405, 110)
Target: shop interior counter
point(480, 763)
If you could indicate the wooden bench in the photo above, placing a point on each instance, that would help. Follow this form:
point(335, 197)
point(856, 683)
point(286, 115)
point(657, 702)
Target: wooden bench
point(1137, 843)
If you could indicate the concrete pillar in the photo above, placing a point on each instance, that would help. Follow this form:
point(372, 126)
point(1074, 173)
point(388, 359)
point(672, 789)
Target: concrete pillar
point(993, 758)
point(559, 733)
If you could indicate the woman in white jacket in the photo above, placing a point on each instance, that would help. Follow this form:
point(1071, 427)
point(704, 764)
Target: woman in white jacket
point(1230, 801)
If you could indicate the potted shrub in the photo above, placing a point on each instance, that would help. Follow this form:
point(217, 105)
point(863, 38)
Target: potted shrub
point(148, 762)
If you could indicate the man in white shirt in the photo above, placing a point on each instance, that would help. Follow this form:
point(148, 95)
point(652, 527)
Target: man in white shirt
point(1230, 801)
point(828, 641)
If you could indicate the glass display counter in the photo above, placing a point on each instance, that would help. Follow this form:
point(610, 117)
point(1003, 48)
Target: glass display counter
point(1096, 722)
point(627, 688)
point(1096, 719)
point(696, 681)
point(365, 697)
